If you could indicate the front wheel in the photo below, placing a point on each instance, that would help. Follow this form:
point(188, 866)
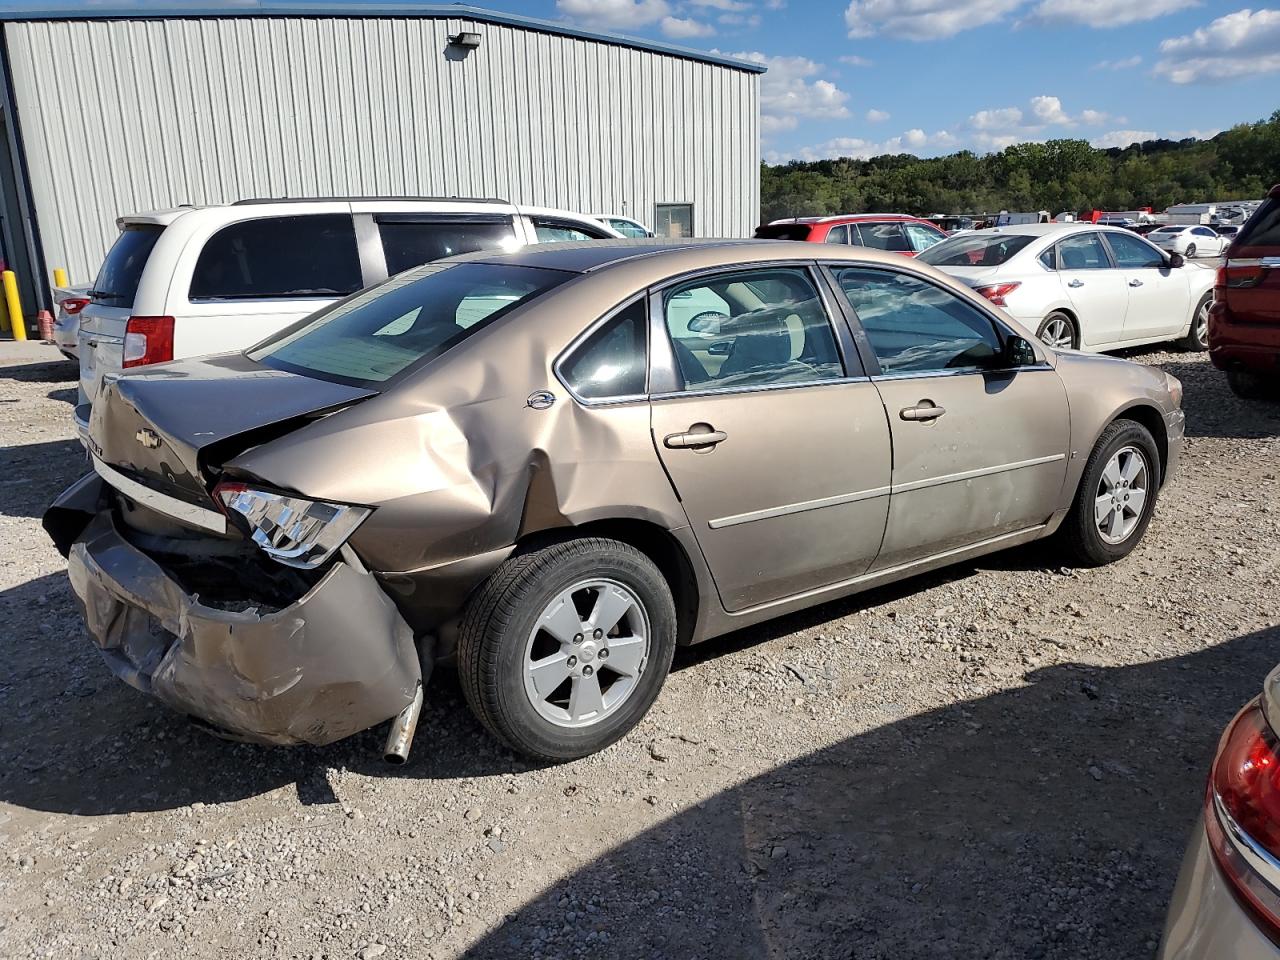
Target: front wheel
point(1058, 331)
point(564, 649)
point(1116, 497)
point(1197, 337)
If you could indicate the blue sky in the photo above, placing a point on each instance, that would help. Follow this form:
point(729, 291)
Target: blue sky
point(860, 77)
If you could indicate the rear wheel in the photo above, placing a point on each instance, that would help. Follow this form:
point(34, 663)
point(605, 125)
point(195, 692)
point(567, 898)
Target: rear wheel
point(564, 649)
point(1197, 337)
point(1116, 498)
point(1058, 330)
point(1251, 386)
point(1191, 251)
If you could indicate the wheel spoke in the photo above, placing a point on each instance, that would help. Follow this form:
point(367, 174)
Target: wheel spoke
point(1102, 508)
point(1132, 467)
point(611, 606)
point(1116, 528)
point(585, 698)
point(1111, 476)
point(1137, 500)
point(561, 619)
point(626, 655)
point(548, 673)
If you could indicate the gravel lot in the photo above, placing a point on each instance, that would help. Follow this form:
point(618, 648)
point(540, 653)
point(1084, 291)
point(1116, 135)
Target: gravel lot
point(1002, 760)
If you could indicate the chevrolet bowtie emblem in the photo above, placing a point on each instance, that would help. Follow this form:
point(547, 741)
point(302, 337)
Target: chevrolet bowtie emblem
point(148, 438)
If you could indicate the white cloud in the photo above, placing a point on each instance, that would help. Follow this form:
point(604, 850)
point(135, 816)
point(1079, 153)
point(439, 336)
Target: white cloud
point(922, 19)
point(877, 116)
point(791, 89)
point(912, 141)
point(1049, 110)
point(1208, 134)
point(1094, 118)
point(733, 6)
point(1244, 43)
point(1125, 64)
point(1000, 119)
point(614, 14)
point(1103, 13)
point(1122, 138)
point(854, 60)
point(684, 28)
point(998, 141)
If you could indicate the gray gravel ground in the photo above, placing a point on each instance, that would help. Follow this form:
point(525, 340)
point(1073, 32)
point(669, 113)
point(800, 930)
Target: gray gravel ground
point(1000, 761)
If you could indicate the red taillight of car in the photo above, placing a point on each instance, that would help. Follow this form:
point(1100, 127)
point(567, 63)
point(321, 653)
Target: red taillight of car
point(1242, 815)
point(996, 292)
point(74, 305)
point(1240, 274)
point(148, 340)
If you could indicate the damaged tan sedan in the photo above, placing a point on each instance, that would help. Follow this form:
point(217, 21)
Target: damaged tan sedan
point(554, 466)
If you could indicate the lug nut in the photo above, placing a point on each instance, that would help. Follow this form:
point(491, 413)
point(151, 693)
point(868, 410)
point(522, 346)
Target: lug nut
point(577, 638)
point(571, 662)
point(604, 653)
point(587, 671)
point(598, 634)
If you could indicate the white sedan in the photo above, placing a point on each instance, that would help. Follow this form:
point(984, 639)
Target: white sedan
point(1083, 287)
point(1189, 241)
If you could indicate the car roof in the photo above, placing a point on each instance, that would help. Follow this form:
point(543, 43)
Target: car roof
point(847, 218)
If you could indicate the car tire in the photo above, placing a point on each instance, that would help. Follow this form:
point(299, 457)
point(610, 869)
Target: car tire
point(1091, 539)
point(1191, 251)
point(1197, 338)
point(516, 641)
point(1059, 326)
point(1248, 385)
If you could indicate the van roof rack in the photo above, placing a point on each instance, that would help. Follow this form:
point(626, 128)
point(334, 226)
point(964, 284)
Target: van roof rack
point(251, 200)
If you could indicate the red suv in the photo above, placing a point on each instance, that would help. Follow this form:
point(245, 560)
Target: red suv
point(1244, 321)
point(895, 232)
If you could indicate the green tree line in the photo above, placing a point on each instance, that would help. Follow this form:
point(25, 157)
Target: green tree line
point(1058, 175)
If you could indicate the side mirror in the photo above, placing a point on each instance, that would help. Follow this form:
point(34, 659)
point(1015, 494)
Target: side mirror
point(1177, 260)
point(1018, 352)
point(707, 323)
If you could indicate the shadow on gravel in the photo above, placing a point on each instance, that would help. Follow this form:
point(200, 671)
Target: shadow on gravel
point(32, 475)
point(1046, 822)
point(1214, 411)
point(50, 372)
point(65, 395)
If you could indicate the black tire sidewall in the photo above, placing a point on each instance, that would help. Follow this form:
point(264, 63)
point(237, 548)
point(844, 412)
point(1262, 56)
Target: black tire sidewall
point(1122, 433)
point(521, 725)
point(1191, 341)
point(1053, 314)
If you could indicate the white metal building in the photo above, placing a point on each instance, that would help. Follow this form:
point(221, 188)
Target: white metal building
point(113, 110)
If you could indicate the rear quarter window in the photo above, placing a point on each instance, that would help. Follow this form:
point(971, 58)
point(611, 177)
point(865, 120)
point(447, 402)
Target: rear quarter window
point(117, 281)
point(282, 258)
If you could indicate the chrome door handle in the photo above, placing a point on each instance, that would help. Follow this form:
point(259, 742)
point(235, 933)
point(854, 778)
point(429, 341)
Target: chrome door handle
point(1135, 283)
point(694, 439)
point(922, 412)
point(1075, 283)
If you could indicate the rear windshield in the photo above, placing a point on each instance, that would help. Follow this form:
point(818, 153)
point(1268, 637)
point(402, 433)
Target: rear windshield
point(783, 231)
point(405, 321)
point(975, 250)
point(117, 283)
point(1262, 229)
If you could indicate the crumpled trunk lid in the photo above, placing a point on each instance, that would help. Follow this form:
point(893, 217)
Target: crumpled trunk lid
point(171, 426)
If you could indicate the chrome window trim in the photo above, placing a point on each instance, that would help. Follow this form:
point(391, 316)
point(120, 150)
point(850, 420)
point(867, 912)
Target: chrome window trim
point(967, 371)
point(802, 507)
point(180, 510)
point(757, 388)
point(585, 335)
point(1258, 857)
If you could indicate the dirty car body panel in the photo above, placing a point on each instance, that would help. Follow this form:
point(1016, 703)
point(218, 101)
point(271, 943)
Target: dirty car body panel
point(463, 454)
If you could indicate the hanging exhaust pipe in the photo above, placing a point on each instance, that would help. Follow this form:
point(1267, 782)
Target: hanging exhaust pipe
point(403, 727)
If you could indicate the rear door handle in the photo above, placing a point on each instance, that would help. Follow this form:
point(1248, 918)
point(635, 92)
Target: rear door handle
point(694, 439)
point(1135, 283)
point(1075, 283)
point(922, 412)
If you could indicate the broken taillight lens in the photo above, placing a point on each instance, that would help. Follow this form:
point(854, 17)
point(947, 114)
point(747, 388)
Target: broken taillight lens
point(296, 532)
point(1242, 815)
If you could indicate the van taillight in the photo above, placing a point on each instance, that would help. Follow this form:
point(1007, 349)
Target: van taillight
point(148, 340)
point(73, 305)
point(1242, 815)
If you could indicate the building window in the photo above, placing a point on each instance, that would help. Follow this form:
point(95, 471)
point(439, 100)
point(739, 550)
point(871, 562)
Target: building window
point(673, 219)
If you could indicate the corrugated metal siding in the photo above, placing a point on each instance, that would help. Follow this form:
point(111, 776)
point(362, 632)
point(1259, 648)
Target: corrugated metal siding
point(152, 113)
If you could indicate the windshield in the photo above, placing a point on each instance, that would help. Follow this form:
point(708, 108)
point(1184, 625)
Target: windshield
point(117, 282)
point(975, 250)
point(407, 320)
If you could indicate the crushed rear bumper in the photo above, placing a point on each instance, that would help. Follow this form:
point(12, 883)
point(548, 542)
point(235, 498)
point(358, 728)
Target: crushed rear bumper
point(337, 661)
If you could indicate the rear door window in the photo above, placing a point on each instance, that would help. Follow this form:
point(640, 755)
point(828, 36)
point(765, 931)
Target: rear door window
point(838, 234)
point(279, 258)
point(1134, 252)
point(117, 281)
point(562, 231)
point(882, 236)
point(409, 241)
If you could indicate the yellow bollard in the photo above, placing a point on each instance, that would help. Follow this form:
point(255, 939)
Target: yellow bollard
point(60, 277)
point(16, 321)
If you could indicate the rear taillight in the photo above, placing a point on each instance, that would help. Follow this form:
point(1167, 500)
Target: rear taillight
point(996, 292)
point(1240, 274)
point(73, 305)
point(148, 340)
point(1242, 815)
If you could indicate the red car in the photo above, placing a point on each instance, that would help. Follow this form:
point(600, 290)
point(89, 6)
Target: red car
point(1244, 321)
point(895, 232)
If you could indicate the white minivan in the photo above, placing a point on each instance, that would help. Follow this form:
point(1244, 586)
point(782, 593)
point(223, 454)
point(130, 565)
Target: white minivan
point(198, 280)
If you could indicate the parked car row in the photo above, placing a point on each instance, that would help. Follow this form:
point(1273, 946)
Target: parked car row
point(894, 232)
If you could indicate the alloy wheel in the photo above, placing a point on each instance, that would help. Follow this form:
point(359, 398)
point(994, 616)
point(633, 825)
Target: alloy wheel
point(1057, 333)
point(1201, 325)
point(586, 652)
point(1122, 495)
